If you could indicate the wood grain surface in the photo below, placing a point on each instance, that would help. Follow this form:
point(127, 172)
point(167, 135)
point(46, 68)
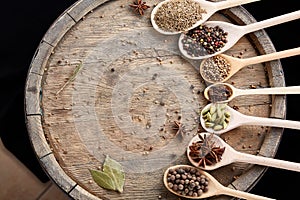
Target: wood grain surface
point(133, 85)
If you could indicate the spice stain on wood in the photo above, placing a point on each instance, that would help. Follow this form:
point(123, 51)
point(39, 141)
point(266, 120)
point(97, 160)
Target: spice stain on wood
point(132, 85)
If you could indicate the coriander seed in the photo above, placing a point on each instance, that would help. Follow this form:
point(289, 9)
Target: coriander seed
point(178, 15)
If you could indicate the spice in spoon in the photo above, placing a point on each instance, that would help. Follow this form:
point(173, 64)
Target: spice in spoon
point(178, 15)
point(205, 152)
point(215, 69)
point(219, 93)
point(204, 40)
point(216, 116)
point(187, 181)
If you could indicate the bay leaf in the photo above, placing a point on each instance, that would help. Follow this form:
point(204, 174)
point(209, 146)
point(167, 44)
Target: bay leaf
point(112, 176)
point(102, 179)
point(111, 163)
point(115, 170)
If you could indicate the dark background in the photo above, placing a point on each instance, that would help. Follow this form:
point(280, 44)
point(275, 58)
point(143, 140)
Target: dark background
point(23, 24)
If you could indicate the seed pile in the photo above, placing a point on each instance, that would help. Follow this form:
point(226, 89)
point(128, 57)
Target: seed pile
point(215, 69)
point(216, 116)
point(219, 93)
point(187, 181)
point(178, 15)
point(204, 40)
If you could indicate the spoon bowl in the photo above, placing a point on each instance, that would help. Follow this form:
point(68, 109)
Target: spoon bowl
point(230, 155)
point(214, 188)
point(237, 119)
point(210, 67)
point(224, 92)
point(209, 8)
point(234, 33)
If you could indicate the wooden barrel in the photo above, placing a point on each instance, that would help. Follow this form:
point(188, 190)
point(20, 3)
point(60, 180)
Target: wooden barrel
point(132, 85)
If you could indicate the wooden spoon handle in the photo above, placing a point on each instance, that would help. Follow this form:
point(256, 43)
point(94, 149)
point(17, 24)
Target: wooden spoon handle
point(220, 5)
point(271, 56)
point(266, 161)
point(272, 21)
point(243, 195)
point(272, 90)
point(273, 122)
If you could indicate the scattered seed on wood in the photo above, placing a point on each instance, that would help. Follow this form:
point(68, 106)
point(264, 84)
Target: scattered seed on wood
point(235, 107)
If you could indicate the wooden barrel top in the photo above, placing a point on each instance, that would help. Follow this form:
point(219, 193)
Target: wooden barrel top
point(132, 86)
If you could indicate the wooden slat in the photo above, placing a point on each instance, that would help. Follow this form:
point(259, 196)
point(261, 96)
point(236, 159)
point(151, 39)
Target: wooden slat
point(36, 135)
point(33, 95)
point(56, 173)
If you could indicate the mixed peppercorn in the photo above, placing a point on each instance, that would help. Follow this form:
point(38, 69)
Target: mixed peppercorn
point(204, 40)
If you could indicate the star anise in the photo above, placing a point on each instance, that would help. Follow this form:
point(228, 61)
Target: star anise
point(139, 6)
point(179, 127)
point(204, 152)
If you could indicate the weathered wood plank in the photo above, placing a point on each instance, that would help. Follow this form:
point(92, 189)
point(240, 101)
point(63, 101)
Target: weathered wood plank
point(39, 60)
point(36, 135)
point(81, 193)
point(56, 173)
point(32, 94)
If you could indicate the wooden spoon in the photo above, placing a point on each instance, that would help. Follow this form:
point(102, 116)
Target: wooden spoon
point(214, 187)
point(235, 32)
point(236, 64)
point(230, 155)
point(224, 92)
point(209, 7)
point(238, 119)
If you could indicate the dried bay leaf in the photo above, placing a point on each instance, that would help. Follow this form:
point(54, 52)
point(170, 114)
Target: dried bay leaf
point(115, 171)
point(110, 163)
point(112, 177)
point(102, 179)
